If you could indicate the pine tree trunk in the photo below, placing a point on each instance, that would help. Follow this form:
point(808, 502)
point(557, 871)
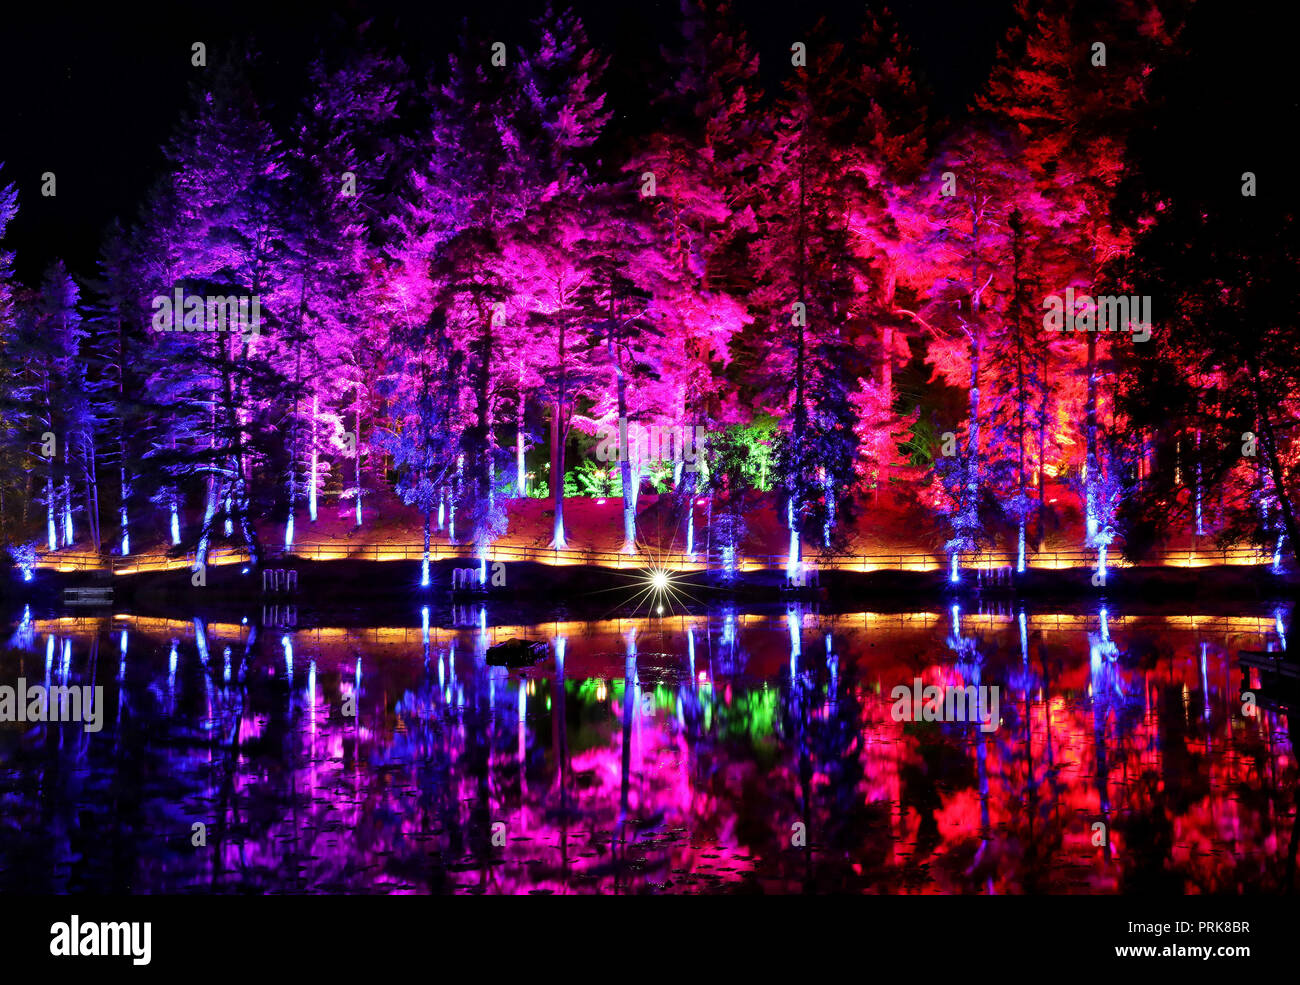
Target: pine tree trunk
point(293, 430)
point(521, 481)
point(92, 492)
point(887, 367)
point(794, 505)
point(424, 563)
point(357, 447)
point(293, 496)
point(251, 539)
point(973, 441)
point(1274, 462)
point(624, 465)
point(482, 394)
point(1200, 522)
point(122, 515)
point(625, 476)
point(1042, 474)
point(53, 538)
point(1090, 436)
point(121, 438)
point(557, 451)
point(209, 516)
point(69, 534)
point(65, 496)
point(557, 479)
point(313, 479)
point(1022, 402)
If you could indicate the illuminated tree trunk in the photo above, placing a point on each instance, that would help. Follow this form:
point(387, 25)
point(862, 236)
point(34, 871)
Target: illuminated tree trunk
point(1022, 393)
point(122, 509)
point(1270, 452)
point(424, 562)
point(312, 478)
point(521, 481)
point(887, 366)
point(483, 410)
point(357, 450)
point(971, 505)
point(52, 529)
point(624, 464)
point(1042, 472)
point(1090, 437)
point(209, 515)
point(1200, 513)
point(557, 453)
point(173, 501)
point(65, 496)
point(293, 430)
point(794, 507)
point(557, 478)
point(92, 488)
point(124, 483)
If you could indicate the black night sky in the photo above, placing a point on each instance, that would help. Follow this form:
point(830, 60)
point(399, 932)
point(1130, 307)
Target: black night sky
point(96, 91)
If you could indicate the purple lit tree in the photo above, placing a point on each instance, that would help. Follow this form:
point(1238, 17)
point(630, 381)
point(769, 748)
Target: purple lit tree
point(699, 179)
point(972, 187)
point(1070, 114)
point(344, 163)
point(423, 436)
point(560, 118)
point(809, 266)
point(228, 174)
point(50, 402)
point(15, 470)
point(117, 348)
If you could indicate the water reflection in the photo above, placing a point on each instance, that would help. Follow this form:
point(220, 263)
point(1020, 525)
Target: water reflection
point(723, 752)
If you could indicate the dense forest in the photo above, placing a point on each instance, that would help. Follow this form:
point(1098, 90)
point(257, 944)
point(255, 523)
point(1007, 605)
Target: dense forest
point(472, 281)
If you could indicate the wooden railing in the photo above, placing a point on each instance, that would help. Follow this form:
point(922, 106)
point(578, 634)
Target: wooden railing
point(982, 561)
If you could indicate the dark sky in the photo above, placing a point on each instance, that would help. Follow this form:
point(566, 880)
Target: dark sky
point(92, 94)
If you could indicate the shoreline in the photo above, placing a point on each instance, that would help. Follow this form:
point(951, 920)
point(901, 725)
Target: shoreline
point(349, 587)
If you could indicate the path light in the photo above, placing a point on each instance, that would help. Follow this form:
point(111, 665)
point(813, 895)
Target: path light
point(660, 586)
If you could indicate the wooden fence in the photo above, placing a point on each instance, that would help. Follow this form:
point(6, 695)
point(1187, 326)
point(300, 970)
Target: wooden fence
point(983, 561)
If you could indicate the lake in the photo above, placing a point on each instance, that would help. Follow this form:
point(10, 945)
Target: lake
point(714, 752)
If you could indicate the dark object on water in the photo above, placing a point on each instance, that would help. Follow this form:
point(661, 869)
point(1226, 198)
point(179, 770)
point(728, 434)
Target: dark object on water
point(515, 652)
point(1279, 679)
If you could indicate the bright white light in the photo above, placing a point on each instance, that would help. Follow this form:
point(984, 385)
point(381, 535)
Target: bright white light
point(659, 580)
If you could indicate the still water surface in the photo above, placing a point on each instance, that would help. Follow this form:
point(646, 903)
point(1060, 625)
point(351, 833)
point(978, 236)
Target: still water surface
point(720, 752)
